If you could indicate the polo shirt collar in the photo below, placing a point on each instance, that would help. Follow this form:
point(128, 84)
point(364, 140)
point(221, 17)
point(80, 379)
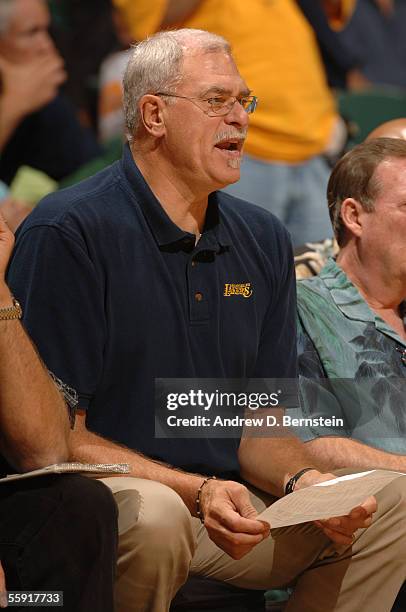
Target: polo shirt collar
point(215, 235)
point(351, 303)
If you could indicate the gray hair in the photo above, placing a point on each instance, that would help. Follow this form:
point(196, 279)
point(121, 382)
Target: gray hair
point(6, 9)
point(156, 65)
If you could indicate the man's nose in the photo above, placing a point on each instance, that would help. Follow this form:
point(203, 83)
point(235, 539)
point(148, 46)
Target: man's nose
point(237, 116)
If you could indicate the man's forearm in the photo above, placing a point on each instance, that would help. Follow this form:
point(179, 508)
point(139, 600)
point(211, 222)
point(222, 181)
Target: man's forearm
point(89, 447)
point(33, 416)
point(268, 463)
point(333, 453)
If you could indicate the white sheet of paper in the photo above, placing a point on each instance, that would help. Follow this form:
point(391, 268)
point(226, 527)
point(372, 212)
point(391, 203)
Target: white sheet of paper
point(331, 498)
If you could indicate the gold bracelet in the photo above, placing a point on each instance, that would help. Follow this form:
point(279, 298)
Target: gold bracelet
point(11, 312)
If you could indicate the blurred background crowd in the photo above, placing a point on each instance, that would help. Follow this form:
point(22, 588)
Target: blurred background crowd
point(326, 72)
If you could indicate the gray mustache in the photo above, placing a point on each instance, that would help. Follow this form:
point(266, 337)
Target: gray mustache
point(230, 135)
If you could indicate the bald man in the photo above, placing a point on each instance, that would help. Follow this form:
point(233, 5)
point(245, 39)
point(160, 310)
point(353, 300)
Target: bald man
point(396, 128)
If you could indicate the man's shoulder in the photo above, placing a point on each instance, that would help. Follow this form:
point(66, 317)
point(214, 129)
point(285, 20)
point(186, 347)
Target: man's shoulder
point(89, 197)
point(308, 286)
point(319, 304)
point(330, 278)
point(313, 297)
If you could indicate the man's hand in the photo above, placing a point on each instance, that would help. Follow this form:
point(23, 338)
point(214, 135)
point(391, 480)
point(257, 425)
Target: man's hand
point(230, 518)
point(6, 246)
point(27, 87)
point(340, 529)
point(3, 591)
point(14, 212)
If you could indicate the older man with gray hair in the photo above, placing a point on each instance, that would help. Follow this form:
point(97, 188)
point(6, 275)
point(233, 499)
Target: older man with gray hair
point(146, 271)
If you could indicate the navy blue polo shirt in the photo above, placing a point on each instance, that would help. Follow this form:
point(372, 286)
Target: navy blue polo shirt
point(115, 295)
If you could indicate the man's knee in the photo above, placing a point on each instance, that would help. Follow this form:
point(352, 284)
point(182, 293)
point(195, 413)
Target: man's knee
point(392, 499)
point(156, 544)
point(154, 514)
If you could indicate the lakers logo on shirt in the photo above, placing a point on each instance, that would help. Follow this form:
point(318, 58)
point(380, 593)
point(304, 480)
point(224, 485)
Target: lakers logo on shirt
point(243, 289)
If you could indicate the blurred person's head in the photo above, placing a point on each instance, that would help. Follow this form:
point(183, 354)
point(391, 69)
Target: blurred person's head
point(24, 29)
point(186, 102)
point(396, 128)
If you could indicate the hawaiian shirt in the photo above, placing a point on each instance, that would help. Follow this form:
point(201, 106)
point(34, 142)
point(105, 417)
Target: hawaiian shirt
point(352, 364)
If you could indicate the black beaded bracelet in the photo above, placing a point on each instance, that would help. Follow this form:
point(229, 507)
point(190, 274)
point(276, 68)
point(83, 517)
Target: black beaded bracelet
point(199, 512)
point(290, 485)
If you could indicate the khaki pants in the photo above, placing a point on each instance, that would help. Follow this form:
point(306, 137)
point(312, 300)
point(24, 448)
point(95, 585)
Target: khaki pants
point(160, 544)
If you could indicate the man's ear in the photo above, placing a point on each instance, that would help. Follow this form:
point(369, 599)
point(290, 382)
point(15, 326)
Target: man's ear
point(352, 213)
point(152, 116)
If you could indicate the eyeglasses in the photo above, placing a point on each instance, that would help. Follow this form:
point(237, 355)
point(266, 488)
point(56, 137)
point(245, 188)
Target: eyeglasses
point(217, 106)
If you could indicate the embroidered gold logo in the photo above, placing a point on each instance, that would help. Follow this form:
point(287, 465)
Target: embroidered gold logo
point(243, 289)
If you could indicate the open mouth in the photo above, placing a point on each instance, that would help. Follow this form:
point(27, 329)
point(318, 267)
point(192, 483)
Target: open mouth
point(232, 146)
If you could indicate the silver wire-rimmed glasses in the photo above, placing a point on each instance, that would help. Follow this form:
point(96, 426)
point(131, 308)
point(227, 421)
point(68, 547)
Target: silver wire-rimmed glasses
point(217, 106)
